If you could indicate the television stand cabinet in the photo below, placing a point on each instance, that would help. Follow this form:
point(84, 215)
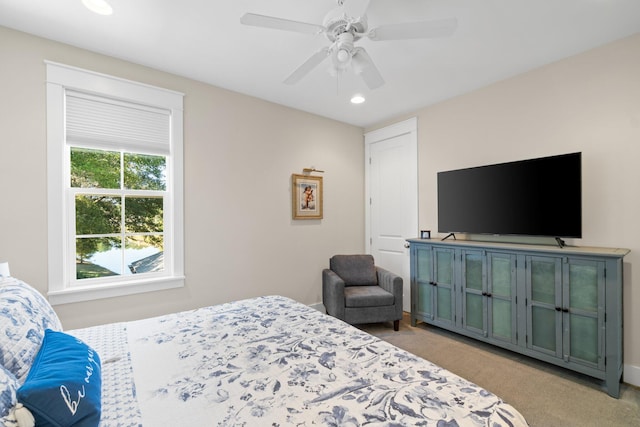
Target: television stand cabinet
point(559, 305)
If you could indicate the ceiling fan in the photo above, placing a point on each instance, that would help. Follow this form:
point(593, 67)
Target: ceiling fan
point(345, 25)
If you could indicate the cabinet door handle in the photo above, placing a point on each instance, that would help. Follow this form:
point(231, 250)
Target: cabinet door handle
point(558, 308)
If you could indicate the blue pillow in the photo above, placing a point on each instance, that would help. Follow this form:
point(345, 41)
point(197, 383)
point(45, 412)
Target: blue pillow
point(64, 384)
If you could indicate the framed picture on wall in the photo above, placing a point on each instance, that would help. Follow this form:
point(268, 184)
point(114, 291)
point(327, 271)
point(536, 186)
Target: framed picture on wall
point(306, 194)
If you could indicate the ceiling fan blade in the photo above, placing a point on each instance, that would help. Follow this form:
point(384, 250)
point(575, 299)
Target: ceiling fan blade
point(280, 24)
point(364, 66)
point(307, 66)
point(415, 30)
point(356, 8)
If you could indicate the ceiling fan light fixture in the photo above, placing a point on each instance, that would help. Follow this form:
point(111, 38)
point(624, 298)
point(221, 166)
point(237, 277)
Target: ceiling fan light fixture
point(343, 56)
point(342, 51)
point(101, 7)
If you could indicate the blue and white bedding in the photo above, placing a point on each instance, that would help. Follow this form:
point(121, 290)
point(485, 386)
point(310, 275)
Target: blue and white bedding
point(271, 361)
point(267, 361)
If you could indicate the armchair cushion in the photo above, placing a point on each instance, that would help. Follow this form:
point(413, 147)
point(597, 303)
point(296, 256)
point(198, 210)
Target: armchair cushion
point(367, 296)
point(355, 270)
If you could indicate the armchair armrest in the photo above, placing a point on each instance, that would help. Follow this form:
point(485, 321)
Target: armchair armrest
point(333, 293)
point(391, 283)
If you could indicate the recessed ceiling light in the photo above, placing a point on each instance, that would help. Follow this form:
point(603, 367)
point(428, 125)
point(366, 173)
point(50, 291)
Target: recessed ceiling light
point(357, 99)
point(101, 7)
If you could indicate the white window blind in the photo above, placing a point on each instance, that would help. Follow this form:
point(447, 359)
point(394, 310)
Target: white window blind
point(114, 124)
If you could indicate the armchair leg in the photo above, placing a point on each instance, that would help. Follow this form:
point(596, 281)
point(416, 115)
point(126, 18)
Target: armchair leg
point(396, 325)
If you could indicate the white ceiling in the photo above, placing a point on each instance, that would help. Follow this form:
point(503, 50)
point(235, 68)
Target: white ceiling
point(204, 40)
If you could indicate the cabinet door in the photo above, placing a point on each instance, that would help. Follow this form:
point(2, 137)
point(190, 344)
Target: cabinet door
point(501, 296)
point(443, 279)
point(488, 284)
point(583, 312)
point(422, 293)
point(474, 291)
point(544, 299)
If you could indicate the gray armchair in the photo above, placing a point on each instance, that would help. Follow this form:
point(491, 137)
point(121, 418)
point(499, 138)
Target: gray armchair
point(356, 291)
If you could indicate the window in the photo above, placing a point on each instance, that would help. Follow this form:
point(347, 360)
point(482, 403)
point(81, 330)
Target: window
point(115, 186)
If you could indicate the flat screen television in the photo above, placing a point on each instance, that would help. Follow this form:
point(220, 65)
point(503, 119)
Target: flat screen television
point(535, 197)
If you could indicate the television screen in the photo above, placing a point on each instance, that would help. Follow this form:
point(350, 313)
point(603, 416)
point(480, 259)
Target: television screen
point(536, 197)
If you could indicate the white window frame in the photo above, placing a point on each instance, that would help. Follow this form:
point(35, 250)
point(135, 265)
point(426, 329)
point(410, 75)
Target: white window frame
point(61, 78)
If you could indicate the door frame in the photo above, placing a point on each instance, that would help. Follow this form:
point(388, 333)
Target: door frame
point(409, 126)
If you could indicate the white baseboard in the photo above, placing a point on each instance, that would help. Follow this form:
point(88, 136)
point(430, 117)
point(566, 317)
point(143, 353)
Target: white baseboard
point(318, 306)
point(631, 375)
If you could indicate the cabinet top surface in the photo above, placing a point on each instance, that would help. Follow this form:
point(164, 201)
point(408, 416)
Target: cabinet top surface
point(567, 250)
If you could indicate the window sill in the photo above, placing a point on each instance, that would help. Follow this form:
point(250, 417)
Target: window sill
point(94, 292)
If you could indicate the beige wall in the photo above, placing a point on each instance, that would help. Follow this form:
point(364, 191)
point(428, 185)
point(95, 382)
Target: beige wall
point(240, 152)
point(588, 103)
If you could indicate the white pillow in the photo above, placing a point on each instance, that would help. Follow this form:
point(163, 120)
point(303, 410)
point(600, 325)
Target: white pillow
point(24, 316)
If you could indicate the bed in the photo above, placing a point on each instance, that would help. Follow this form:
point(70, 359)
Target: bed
point(267, 361)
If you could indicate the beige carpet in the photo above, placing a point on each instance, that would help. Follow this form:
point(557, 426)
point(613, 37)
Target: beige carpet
point(547, 396)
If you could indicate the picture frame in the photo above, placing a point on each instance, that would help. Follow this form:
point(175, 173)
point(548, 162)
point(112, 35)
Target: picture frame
point(306, 200)
point(425, 234)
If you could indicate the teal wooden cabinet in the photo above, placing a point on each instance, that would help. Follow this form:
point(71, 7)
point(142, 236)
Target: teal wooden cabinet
point(544, 296)
point(422, 301)
point(487, 283)
point(559, 305)
point(565, 310)
point(433, 290)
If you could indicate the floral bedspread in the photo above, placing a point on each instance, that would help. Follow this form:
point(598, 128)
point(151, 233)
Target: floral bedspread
point(271, 361)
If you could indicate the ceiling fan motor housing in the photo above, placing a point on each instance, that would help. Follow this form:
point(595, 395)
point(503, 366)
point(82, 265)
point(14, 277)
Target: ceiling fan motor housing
point(336, 22)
